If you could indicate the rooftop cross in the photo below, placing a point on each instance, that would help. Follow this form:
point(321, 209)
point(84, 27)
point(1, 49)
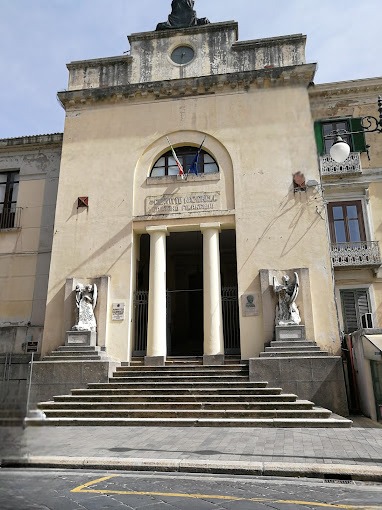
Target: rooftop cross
point(182, 16)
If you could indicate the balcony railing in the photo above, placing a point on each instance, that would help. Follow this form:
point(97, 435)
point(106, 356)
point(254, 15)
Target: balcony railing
point(10, 218)
point(351, 166)
point(364, 254)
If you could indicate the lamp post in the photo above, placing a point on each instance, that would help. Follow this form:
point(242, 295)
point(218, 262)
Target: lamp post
point(340, 150)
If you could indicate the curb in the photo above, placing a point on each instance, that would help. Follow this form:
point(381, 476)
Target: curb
point(309, 470)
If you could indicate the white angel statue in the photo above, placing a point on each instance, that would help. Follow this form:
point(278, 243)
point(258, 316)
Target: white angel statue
point(287, 313)
point(86, 300)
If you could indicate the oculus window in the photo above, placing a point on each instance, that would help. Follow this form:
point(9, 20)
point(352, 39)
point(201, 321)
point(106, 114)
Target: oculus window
point(166, 164)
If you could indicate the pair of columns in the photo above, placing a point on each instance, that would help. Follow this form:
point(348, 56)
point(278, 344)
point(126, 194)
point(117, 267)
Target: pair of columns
point(213, 317)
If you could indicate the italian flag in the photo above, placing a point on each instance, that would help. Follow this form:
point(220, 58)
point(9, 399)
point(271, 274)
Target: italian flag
point(180, 167)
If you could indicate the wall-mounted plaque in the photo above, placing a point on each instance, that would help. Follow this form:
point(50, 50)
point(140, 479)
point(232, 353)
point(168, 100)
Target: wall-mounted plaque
point(250, 305)
point(118, 312)
point(182, 203)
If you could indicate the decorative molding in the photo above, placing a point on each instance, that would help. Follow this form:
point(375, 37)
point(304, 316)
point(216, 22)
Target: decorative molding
point(31, 141)
point(241, 81)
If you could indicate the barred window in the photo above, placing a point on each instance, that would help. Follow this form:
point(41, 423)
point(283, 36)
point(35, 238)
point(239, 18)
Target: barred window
point(9, 185)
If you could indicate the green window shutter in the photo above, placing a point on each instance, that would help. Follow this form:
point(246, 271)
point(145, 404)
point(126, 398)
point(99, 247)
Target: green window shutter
point(359, 141)
point(319, 138)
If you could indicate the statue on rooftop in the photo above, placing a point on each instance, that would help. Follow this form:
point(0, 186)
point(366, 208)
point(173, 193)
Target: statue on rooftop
point(182, 16)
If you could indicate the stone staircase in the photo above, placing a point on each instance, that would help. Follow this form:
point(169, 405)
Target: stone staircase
point(292, 349)
point(183, 393)
point(73, 353)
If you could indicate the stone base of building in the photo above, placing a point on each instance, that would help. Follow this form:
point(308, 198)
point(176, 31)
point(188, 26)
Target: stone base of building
point(320, 379)
point(51, 378)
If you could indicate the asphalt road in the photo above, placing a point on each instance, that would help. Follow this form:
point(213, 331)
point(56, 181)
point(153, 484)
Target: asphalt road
point(22, 489)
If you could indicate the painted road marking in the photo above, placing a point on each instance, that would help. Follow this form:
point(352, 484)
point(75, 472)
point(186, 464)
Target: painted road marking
point(85, 489)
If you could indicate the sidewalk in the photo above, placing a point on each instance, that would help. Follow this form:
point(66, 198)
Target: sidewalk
point(354, 453)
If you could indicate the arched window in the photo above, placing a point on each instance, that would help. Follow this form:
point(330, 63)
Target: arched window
point(166, 164)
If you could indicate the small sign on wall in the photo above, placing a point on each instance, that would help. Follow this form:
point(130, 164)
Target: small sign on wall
point(249, 305)
point(118, 312)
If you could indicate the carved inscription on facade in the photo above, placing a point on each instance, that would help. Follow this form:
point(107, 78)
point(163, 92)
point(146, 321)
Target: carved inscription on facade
point(183, 204)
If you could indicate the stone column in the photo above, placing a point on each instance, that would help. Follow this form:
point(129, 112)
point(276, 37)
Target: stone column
point(156, 330)
point(213, 316)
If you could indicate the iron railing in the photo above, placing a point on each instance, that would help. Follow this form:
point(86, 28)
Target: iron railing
point(10, 218)
point(351, 166)
point(231, 327)
point(141, 309)
point(365, 254)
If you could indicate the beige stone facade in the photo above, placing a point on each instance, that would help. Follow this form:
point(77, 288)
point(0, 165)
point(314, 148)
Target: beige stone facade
point(149, 238)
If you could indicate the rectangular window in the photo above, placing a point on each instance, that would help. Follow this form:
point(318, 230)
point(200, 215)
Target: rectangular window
point(355, 303)
point(346, 222)
point(9, 185)
point(355, 138)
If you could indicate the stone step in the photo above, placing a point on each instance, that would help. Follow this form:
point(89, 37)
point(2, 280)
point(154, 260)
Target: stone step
point(105, 390)
point(293, 343)
point(174, 399)
point(195, 422)
point(176, 406)
point(84, 348)
point(175, 386)
point(159, 378)
point(311, 348)
point(189, 369)
point(200, 413)
point(293, 354)
point(76, 357)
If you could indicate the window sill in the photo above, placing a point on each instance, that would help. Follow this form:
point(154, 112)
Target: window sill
point(170, 179)
point(12, 229)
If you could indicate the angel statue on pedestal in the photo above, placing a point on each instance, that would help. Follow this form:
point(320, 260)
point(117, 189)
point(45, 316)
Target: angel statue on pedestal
point(287, 313)
point(86, 300)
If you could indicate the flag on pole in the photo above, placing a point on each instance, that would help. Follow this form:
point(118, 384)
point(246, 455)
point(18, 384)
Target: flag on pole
point(194, 165)
point(179, 164)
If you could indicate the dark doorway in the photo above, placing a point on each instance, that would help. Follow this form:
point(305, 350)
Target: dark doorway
point(185, 294)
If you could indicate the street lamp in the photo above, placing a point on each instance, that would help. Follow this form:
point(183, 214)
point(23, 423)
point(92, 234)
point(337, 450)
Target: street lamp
point(340, 150)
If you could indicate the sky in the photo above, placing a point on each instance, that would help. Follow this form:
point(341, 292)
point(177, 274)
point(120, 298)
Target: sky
point(38, 38)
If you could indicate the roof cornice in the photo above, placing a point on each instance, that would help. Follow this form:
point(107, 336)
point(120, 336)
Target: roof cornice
point(301, 75)
point(346, 88)
point(28, 142)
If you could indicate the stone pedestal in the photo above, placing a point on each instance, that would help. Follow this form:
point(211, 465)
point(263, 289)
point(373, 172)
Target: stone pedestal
point(81, 338)
point(155, 361)
point(290, 333)
point(211, 359)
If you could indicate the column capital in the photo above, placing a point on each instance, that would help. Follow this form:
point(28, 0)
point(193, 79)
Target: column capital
point(208, 226)
point(156, 229)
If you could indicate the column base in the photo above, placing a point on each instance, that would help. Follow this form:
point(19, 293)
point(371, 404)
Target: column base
point(155, 361)
point(213, 359)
